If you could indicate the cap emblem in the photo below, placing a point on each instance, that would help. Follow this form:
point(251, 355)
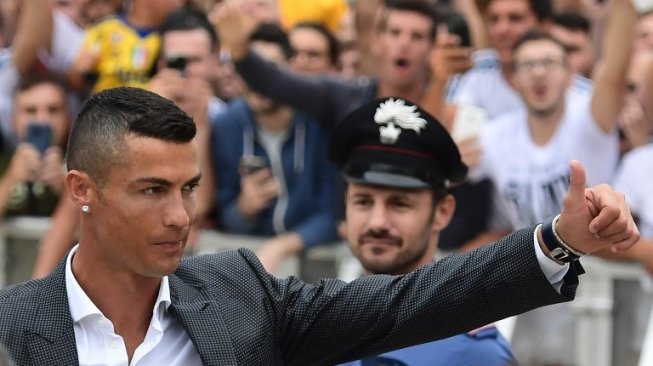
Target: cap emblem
point(393, 113)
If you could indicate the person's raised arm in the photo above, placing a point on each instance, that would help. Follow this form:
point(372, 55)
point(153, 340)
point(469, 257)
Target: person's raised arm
point(447, 58)
point(22, 168)
point(234, 27)
point(34, 32)
point(366, 18)
point(477, 27)
point(610, 73)
point(310, 95)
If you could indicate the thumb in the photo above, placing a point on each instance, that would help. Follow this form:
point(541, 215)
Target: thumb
point(442, 35)
point(577, 180)
point(442, 29)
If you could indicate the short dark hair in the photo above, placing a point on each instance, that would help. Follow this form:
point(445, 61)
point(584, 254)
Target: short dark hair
point(33, 79)
point(332, 41)
point(537, 35)
point(573, 20)
point(424, 7)
point(188, 19)
point(272, 33)
point(97, 139)
point(543, 9)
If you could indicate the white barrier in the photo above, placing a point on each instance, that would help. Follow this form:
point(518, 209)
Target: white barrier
point(594, 305)
point(646, 358)
point(23, 234)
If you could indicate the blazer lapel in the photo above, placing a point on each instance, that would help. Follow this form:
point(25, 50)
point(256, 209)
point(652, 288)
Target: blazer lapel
point(53, 337)
point(201, 317)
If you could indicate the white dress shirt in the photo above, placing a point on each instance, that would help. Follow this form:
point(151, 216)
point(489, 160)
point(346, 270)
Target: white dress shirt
point(553, 271)
point(165, 343)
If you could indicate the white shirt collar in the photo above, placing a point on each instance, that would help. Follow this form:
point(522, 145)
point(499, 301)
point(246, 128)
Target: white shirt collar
point(81, 305)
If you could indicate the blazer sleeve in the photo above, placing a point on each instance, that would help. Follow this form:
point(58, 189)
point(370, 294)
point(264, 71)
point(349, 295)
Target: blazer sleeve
point(333, 321)
point(311, 95)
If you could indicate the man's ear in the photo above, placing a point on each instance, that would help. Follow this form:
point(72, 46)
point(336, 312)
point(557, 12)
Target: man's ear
point(342, 229)
point(444, 211)
point(80, 187)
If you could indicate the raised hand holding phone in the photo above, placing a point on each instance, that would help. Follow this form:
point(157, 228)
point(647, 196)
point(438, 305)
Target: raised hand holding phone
point(39, 134)
point(258, 187)
point(449, 57)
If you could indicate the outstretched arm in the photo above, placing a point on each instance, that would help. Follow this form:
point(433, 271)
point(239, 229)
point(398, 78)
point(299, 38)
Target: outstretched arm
point(310, 95)
point(33, 33)
point(610, 74)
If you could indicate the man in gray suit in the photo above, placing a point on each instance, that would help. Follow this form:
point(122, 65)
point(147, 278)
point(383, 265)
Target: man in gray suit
point(124, 296)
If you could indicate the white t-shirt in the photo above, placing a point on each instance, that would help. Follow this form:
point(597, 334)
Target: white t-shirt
point(485, 87)
point(532, 180)
point(634, 180)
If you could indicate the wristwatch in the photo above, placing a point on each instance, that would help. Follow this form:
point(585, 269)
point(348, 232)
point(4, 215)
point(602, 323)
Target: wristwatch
point(558, 249)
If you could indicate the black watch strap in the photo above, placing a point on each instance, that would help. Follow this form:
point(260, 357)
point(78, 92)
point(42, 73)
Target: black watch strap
point(558, 251)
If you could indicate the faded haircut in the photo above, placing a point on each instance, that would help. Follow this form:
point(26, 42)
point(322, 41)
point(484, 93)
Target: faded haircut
point(97, 139)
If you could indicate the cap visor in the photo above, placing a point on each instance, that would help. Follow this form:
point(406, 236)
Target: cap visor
point(386, 179)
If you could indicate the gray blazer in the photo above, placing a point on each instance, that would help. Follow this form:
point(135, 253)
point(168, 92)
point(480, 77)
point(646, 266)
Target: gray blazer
point(237, 314)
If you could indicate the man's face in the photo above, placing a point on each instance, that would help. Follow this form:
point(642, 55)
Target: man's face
point(349, 64)
point(311, 52)
point(195, 46)
point(579, 49)
point(403, 47)
point(43, 103)
point(507, 21)
point(390, 230)
point(142, 214)
point(541, 76)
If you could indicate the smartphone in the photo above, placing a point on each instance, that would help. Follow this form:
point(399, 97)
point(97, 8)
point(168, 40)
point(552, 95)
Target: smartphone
point(39, 134)
point(456, 24)
point(468, 122)
point(177, 63)
point(252, 163)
